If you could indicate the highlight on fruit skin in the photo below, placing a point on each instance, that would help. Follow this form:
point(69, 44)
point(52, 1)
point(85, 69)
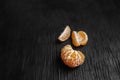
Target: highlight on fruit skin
point(65, 34)
point(79, 38)
point(72, 58)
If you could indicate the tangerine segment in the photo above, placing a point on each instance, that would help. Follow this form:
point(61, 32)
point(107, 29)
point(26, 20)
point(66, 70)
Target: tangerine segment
point(82, 57)
point(76, 39)
point(65, 34)
point(84, 37)
point(72, 58)
point(66, 49)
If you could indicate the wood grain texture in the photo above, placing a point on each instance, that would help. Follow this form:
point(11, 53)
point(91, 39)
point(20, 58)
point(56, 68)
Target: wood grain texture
point(29, 29)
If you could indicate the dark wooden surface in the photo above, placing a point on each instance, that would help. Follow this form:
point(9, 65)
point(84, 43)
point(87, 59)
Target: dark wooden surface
point(29, 49)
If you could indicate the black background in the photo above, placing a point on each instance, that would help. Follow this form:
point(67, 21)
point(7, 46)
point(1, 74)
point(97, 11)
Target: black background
point(29, 49)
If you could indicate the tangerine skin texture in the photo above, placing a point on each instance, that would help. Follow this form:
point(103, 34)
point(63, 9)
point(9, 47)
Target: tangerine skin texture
point(72, 58)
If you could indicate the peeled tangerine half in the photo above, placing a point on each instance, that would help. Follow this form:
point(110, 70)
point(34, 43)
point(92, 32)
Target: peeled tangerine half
point(79, 38)
point(65, 34)
point(72, 58)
